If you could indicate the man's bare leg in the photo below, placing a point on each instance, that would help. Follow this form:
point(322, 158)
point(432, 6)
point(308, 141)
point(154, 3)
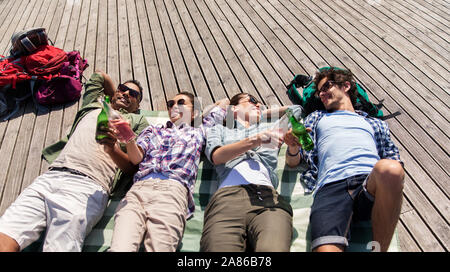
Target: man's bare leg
point(385, 183)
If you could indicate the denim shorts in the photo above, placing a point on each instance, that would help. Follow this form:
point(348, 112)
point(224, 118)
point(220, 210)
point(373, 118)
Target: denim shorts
point(335, 206)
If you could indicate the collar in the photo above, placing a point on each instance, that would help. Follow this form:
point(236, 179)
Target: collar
point(169, 124)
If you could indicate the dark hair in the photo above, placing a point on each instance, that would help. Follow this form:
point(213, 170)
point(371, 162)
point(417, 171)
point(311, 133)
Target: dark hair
point(137, 83)
point(236, 98)
point(229, 118)
point(339, 76)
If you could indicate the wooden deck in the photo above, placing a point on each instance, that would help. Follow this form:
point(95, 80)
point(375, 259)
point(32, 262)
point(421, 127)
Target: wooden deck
point(398, 49)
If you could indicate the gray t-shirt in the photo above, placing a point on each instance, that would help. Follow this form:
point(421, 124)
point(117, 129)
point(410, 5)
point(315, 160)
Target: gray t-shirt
point(84, 154)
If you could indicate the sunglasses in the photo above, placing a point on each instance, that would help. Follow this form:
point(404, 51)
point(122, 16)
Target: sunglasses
point(179, 102)
point(325, 87)
point(123, 88)
point(253, 100)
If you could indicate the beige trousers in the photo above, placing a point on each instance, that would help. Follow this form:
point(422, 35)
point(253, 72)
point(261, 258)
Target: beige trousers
point(154, 211)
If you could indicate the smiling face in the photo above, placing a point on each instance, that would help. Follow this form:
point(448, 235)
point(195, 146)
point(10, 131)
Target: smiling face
point(127, 97)
point(247, 109)
point(181, 109)
point(333, 95)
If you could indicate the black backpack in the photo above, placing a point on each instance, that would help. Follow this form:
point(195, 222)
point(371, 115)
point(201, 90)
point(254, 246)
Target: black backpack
point(27, 41)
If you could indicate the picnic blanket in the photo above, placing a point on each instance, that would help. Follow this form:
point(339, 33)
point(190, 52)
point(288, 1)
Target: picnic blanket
point(289, 187)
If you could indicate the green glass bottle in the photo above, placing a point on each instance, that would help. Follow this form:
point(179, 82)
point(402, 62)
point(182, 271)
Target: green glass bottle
point(299, 130)
point(102, 120)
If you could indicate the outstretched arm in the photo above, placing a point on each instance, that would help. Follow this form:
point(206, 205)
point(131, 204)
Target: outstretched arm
point(268, 138)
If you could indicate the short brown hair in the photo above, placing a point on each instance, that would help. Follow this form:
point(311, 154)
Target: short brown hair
point(339, 76)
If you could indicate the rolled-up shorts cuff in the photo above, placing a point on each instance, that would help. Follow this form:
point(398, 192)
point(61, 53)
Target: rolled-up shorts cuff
point(326, 240)
point(368, 195)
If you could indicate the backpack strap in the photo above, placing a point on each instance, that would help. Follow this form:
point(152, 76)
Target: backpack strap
point(389, 116)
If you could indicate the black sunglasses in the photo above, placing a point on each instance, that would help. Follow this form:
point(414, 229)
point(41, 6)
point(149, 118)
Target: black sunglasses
point(171, 103)
point(325, 87)
point(123, 88)
point(252, 100)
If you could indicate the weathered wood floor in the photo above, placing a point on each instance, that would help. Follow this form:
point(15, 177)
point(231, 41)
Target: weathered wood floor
point(398, 49)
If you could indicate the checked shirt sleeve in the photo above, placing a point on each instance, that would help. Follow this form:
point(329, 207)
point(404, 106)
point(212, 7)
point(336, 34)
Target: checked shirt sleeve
point(309, 176)
point(385, 146)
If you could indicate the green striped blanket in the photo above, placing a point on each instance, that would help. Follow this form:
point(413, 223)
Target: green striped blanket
point(100, 237)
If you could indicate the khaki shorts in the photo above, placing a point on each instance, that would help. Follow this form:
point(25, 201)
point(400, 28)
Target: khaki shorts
point(65, 204)
point(247, 218)
point(153, 211)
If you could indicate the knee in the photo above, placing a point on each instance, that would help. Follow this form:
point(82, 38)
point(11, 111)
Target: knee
point(389, 173)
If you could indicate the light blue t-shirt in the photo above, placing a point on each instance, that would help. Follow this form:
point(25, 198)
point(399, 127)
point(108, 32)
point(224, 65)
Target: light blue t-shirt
point(346, 146)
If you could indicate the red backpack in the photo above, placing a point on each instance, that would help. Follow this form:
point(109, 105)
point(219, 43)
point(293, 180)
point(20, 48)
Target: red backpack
point(45, 62)
point(11, 72)
point(66, 87)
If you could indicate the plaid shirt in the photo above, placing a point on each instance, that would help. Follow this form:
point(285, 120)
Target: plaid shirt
point(175, 151)
point(385, 146)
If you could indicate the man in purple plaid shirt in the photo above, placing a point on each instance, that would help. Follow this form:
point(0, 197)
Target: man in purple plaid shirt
point(156, 207)
point(354, 169)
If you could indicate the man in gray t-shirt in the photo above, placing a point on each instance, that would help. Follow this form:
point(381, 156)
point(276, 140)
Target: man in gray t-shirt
point(70, 198)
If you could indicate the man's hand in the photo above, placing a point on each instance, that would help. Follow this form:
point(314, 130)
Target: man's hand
point(110, 141)
point(291, 140)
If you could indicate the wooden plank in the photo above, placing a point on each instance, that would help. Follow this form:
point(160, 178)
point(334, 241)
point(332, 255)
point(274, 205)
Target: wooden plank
point(155, 92)
point(126, 70)
point(7, 148)
point(56, 112)
point(91, 38)
point(17, 165)
point(70, 109)
point(266, 42)
point(424, 238)
point(9, 27)
point(403, 46)
point(80, 39)
point(213, 63)
point(405, 240)
point(177, 62)
point(432, 217)
point(165, 67)
point(33, 165)
point(206, 69)
point(423, 37)
point(441, 10)
point(197, 78)
point(305, 65)
point(137, 55)
point(101, 48)
point(437, 195)
point(214, 33)
point(255, 49)
point(112, 67)
point(264, 90)
point(426, 88)
point(420, 15)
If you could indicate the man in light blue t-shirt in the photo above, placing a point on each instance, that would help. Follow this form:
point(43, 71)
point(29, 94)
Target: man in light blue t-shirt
point(354, 169)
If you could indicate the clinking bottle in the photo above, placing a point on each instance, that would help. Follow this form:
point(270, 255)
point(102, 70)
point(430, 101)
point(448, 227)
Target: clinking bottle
point(124, 133)
point(102, 121)
point(299, 130)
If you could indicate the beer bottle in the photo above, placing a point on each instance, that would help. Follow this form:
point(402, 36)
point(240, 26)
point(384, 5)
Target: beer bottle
point(299, 130)
point(102, 120)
